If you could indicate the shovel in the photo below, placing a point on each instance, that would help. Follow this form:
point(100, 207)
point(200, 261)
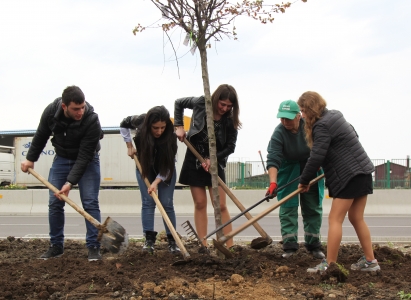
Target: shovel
point(111, 234)
point(265, 239)
point(220, 244)
point(266, 198)
point(170, 226)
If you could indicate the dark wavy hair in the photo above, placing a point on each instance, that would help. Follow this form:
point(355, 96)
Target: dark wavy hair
point(72, 94)
point(165, 145)
point(227, 92)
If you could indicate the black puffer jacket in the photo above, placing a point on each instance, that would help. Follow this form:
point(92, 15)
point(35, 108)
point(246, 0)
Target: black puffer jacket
point(76, 140)
point(227, 136)
point(337, 149)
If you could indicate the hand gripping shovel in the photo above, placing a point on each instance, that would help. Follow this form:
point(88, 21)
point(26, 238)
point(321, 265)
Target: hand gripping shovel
point(170, 226)
point(258, 243)
point(111, 235)
point(220, 244)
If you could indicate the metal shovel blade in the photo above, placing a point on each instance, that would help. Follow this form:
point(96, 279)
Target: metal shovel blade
point(113, 236)
point(260, 242)
point(181, 262)
point(220, 247)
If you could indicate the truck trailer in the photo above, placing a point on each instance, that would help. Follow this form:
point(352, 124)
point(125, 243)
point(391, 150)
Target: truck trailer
point(6, 165)
point(117, 168)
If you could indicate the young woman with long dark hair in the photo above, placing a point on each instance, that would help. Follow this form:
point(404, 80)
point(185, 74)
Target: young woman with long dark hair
point(226, 124)
point(156, 145)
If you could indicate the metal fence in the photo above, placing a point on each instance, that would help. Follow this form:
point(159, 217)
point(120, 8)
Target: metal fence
point(388, 174)
point(249, 174)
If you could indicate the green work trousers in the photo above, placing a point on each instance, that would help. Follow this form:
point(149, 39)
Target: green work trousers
point(311, 211)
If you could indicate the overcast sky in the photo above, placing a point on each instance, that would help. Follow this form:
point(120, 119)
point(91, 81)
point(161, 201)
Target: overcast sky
point(356, 54)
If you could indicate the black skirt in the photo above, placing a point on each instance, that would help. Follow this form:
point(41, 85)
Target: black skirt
point(358, 186)
point(194, 175)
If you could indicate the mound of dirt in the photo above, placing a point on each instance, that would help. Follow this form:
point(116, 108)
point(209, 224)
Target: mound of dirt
point(250, 274)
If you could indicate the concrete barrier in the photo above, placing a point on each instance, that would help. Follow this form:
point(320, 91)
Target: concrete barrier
point(34, 202)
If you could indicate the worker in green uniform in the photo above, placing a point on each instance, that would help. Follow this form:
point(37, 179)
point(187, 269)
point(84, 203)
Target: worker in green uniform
point(287, 155)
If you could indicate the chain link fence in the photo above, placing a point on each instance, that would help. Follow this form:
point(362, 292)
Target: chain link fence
point(388, 174)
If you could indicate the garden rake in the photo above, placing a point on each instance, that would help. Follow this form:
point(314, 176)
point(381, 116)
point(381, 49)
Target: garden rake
point(258, 243)
point(192, 234)
point(190, 230)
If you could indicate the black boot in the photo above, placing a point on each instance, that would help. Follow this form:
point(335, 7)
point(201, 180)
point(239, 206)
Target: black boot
point(289, 249)
point(172, 246)
point(315, 249)
point(150, 241)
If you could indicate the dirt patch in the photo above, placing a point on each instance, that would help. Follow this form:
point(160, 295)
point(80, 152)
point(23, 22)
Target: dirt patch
point(250, 274)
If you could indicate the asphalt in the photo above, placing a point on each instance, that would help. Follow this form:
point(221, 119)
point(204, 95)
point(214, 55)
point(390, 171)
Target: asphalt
point(383, 228)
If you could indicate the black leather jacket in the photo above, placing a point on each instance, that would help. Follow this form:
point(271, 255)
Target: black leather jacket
point(76, 140)
point(227, 136)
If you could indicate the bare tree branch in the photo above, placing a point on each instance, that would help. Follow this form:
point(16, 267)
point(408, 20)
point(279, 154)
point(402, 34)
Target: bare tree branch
point(175, 53)
point(211, 18)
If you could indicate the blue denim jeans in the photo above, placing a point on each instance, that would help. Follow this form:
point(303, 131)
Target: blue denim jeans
point(165, 194)
point(89, 186)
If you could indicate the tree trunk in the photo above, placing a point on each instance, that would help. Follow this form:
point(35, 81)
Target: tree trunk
point(211, 136)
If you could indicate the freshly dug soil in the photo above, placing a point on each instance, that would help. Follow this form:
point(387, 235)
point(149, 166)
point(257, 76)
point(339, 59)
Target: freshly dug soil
point(250, 274)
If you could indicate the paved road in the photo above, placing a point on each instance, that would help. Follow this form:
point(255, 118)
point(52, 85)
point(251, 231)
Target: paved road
point(383, 228)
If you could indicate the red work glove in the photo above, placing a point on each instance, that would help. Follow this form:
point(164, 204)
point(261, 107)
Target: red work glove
point(272, 190)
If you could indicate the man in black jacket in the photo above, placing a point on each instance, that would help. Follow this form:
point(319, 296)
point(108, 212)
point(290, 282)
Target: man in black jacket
point(76, 132)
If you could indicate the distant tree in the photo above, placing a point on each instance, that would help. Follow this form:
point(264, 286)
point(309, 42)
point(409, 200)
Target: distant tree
point(203, 20)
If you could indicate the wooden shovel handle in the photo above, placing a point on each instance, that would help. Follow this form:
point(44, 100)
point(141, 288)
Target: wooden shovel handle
point(66, 199)
point(265, 212)
point(163, 213)
point(230, 194)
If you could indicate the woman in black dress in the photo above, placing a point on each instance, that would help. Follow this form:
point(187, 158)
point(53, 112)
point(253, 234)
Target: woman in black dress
point(193, 173)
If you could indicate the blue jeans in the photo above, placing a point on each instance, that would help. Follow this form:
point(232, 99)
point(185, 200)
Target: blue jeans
point(89, 186)
point(165, 194)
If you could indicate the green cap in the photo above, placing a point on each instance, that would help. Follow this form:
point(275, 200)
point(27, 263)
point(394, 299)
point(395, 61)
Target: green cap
point(288, 109)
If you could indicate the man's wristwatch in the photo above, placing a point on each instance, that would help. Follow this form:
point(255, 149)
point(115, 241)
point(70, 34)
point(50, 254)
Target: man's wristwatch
point(69, 184)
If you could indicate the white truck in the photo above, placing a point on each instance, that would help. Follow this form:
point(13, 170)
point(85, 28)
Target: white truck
point(6, 165)
point(117, 168)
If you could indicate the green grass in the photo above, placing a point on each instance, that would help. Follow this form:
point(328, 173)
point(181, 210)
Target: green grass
point(246, 187)
point(343, 269)
point(327, 286)
point(13, 187)
point(403, 295)
point(132, 240)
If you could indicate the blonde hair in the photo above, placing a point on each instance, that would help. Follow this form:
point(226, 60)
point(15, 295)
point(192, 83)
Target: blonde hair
point(313, 105)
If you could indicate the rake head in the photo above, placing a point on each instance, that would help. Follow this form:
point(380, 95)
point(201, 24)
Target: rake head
point(192, 234)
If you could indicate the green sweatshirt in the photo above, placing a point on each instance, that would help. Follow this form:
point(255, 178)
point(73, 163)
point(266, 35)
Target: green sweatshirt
point(287, 146)
point(288, 152)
